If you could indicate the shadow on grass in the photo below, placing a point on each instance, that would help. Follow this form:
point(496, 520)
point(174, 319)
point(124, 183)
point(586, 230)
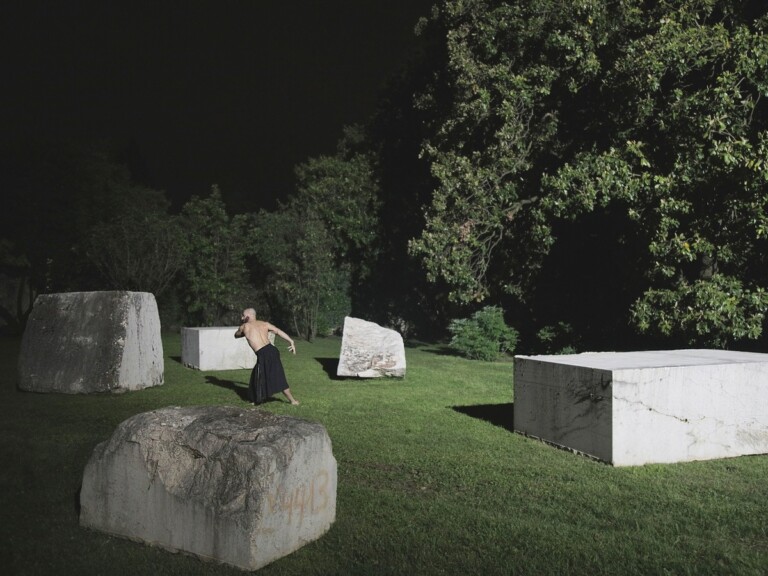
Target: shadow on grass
point(236, 387)
point(330, 366)
point(176, 359)
point(501, 415)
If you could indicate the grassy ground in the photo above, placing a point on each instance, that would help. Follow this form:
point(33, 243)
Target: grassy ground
point(431, 481)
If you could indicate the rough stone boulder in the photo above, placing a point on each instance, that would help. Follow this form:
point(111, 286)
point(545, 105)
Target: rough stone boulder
point(370, 351)
point(237, 485)
point(83, 342)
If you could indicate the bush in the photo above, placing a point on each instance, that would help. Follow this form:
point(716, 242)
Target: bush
point(485, 336)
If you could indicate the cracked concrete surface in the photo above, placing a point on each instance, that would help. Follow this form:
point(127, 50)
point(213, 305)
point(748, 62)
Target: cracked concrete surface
point(636, 408)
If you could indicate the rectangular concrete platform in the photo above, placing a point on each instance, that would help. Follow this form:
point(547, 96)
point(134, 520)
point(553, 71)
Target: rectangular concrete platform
point(633, 408)
point(215, 348)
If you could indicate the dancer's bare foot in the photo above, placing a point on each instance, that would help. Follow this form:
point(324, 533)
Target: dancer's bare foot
point(290, 397)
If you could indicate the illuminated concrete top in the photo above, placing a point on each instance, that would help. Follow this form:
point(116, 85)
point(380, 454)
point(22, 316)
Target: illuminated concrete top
point(652, 358)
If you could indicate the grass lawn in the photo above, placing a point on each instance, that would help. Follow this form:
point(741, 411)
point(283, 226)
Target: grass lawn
point(431, 481)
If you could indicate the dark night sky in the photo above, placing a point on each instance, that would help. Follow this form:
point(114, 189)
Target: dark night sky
point(234, 92)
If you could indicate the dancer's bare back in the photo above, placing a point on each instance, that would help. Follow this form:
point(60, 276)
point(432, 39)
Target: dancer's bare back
point(256, 332)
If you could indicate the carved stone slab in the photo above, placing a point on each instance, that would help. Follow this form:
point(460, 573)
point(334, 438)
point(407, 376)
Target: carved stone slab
point(631, 408)
point(239, 486)
point(370, 351)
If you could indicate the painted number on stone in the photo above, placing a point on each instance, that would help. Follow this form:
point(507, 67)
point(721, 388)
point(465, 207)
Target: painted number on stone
point(308, 498)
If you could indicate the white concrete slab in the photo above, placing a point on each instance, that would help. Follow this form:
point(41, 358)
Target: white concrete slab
point(215, 348)
point(632, 408)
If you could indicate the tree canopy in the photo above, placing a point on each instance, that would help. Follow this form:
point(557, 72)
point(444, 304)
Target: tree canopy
point(140, 246)
point(322, 239)
point(217, 281)
point(652, 112)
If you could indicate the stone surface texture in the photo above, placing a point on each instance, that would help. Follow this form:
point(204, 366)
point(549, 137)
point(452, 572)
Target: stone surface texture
point(216, 348)
point(85, 342)
point(236, 485)
point(370, 351)
point(633, 408)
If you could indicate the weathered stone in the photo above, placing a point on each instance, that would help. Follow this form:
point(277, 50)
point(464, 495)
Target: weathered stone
point(216, 348)
point(631, 408)
point(83, 342)
point(370, 351)
point(237, 485)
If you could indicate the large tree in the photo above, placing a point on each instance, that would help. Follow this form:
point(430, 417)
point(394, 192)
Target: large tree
point(299, 277)
point(322, 240)
point(342, 191)
point(649, 114)
point(398, 293)
point(139, 246)
point(217, 283)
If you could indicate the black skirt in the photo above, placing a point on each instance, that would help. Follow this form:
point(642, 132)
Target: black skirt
point(268, 376)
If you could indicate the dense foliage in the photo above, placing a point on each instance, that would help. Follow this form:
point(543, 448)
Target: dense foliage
point(297, 271)
point(652, 114)
point(140, 246)
point(217, 282)
point(317, 244)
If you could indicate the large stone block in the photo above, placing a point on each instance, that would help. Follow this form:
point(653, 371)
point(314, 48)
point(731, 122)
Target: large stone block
point(216, 348)
point(83, 342)
point(236, 485)
point(370, 351)
point(636, 408)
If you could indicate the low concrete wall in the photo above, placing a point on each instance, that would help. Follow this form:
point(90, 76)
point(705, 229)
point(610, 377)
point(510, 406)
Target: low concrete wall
point(84, 342)
point(240, 486)
point(646, 407)
point(216, 348)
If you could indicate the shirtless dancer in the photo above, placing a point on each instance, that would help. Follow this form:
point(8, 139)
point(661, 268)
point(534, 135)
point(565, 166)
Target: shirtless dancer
point(268, 365)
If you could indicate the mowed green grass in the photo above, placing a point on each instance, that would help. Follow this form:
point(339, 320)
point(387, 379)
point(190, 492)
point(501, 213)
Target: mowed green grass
point(431, 481)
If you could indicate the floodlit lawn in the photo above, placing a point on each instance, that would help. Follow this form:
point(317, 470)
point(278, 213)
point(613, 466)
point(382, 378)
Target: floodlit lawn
point(431, 481)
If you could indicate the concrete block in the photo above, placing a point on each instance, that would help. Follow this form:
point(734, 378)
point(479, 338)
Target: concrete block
point(632, 408)
point(216, 348)
point(235, 485)
point(84, 342)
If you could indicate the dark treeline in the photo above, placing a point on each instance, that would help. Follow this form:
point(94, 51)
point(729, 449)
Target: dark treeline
point(599, 170)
